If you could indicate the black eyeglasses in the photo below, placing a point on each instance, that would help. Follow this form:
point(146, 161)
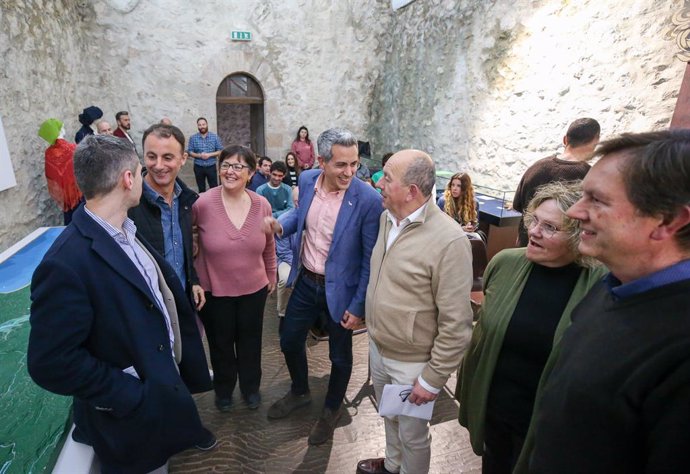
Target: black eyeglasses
point(532, 221)
point(235, 166)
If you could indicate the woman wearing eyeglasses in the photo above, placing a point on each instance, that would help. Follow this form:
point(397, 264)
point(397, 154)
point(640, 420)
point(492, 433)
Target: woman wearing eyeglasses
point(236, 264)
point(529, 295)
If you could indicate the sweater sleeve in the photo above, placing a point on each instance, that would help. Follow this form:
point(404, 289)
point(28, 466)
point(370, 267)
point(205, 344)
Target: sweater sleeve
point(269, 253)
point(453, 277)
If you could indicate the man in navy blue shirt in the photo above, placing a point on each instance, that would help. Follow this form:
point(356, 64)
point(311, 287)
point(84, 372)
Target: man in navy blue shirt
point(618, 398)
point(204, 147)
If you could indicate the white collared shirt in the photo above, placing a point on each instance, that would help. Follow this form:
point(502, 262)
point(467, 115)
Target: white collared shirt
point(396, 228)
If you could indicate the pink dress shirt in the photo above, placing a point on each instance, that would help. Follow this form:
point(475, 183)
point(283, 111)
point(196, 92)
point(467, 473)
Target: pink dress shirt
point(320, 224)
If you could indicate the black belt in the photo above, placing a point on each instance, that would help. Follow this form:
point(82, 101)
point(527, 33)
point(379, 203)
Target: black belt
point(315, 277)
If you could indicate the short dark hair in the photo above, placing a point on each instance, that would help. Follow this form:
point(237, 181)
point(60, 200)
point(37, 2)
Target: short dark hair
point(656, 172)
point(385, 158)
point(120, 114)
point(582, 131)
point(98, 162)
point(262, 159)
point(164, 131)
point(201, 118)
point(279, 166)
point(242, 152)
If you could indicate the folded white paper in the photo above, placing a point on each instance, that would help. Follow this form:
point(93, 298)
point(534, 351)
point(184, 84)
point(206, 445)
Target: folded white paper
point(394, 401)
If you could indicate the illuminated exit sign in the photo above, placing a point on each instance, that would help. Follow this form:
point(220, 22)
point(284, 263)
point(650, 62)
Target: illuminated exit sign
point(241, 36)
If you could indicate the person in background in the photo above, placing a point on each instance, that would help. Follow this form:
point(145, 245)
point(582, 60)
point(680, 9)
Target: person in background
point(618, 397)
point(59, 168)
point(529, 296)
point(204, 147)
point(263, 172)
point(88, 116)
point(459, 203)
point(293, 170)
point(379, 174)
point(363, 173)
point(112, 327)
point(278, 194)
point(103, 128)
point(580, 141)
point(236, 264)
point(286, 247)
point(166, 121)
point(123, 125)
point(303, 148)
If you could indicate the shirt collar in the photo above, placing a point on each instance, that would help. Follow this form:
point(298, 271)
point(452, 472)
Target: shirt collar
point(675, 273)
point(318, 188)
point(154, 197)
point(413, 216)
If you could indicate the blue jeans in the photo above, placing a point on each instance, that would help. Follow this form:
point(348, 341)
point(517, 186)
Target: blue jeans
point(307, 305)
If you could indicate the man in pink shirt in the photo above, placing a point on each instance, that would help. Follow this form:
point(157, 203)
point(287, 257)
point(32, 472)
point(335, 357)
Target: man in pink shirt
point(338, 220)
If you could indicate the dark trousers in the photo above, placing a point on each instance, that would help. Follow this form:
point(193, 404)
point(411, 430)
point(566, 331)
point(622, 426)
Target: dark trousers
point(202, 173)
point(307, 305)
point(502, 446)
point(234, 325)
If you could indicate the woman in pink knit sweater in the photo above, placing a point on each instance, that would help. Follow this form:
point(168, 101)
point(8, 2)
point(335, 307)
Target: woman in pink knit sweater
point(303, 148)
point(236, 264)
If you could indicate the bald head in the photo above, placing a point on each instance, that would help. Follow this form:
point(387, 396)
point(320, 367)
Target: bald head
point(408, 179)
point(104, 128)
point(416, 168)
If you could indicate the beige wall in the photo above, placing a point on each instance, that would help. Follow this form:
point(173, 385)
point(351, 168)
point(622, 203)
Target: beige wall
point(484, 86)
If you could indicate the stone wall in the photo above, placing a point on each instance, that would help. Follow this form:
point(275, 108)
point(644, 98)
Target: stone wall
point(316, 61)
point(47, 52)
point(486, 86)
point(490, 87)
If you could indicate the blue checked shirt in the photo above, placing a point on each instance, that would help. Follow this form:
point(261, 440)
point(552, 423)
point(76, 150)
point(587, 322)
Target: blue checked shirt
point(208, 144)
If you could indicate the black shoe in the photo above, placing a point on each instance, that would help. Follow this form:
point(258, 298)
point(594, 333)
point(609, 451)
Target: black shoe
point(253, 400)
point(224, 404)
point(288, 404)
point(323, 429)
point(208, 443)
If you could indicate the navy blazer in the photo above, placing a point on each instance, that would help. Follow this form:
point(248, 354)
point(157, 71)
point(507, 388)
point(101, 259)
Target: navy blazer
point(354, 236)
point(93, 315)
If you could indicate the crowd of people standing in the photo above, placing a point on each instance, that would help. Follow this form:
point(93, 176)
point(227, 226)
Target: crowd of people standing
point(566, 370)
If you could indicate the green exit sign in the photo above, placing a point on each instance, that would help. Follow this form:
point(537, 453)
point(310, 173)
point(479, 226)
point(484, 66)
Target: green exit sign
point(241, 36)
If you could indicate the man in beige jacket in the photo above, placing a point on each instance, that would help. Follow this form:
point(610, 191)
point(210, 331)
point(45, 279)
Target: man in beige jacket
point(418, 304)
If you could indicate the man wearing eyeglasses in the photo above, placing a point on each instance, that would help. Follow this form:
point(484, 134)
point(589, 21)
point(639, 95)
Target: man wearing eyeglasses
point(417, 306)
point(618, 397)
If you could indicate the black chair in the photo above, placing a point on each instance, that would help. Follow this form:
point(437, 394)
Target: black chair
point(479, 262)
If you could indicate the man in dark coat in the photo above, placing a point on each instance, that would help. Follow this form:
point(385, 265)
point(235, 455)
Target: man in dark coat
point(112, 327)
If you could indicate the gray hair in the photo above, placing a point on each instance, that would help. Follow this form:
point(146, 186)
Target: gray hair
point(564, 194)
point(334, 136)
point(98, 162)
point(422, 173)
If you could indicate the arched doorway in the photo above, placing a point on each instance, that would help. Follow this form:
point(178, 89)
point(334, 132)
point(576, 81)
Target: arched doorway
point(240, 112)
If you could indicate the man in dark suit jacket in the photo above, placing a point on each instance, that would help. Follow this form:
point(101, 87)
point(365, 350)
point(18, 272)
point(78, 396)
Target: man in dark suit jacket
point(337, 222)
point(112, 327)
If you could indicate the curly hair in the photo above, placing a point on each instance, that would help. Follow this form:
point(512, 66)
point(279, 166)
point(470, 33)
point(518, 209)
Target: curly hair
point(463, 208)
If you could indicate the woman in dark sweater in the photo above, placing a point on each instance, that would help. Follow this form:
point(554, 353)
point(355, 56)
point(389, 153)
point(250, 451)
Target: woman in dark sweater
point(529, 294)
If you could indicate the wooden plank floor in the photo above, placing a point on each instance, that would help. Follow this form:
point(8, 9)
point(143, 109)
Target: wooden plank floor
point(250, 443)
